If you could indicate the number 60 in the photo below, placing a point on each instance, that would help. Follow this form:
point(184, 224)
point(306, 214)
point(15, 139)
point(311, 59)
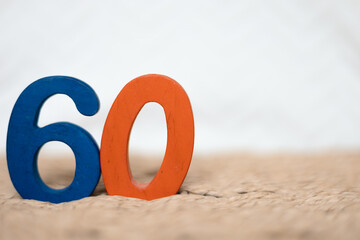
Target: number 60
point(25, 139)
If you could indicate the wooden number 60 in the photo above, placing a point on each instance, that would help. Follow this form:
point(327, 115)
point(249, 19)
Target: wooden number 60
point(25, 139)
point(114, 160)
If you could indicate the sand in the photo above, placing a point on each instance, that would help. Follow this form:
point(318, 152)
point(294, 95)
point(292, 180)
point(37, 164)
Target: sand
point(225, 196)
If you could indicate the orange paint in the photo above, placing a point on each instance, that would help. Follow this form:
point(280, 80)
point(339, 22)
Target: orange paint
point(115, 167)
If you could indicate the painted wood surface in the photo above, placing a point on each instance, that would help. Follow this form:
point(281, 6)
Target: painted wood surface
point(114, 160)
point(25, 139)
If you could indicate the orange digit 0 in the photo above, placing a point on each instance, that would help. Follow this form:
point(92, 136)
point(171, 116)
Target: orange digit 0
point(115, 168)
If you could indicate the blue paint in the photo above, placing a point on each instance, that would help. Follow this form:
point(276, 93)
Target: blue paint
point(25, 139)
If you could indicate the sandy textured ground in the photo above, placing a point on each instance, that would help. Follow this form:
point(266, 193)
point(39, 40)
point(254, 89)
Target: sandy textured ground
point(231, 196)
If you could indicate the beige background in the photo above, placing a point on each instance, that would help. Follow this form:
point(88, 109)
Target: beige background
point(225, 196)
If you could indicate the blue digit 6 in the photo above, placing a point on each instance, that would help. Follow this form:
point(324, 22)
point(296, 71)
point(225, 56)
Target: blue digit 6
point(25, 138)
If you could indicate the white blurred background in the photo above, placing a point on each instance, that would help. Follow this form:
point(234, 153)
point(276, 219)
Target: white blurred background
point(261, 75)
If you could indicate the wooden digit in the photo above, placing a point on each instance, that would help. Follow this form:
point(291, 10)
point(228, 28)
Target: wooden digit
point(114, 160)
point(25, 139)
